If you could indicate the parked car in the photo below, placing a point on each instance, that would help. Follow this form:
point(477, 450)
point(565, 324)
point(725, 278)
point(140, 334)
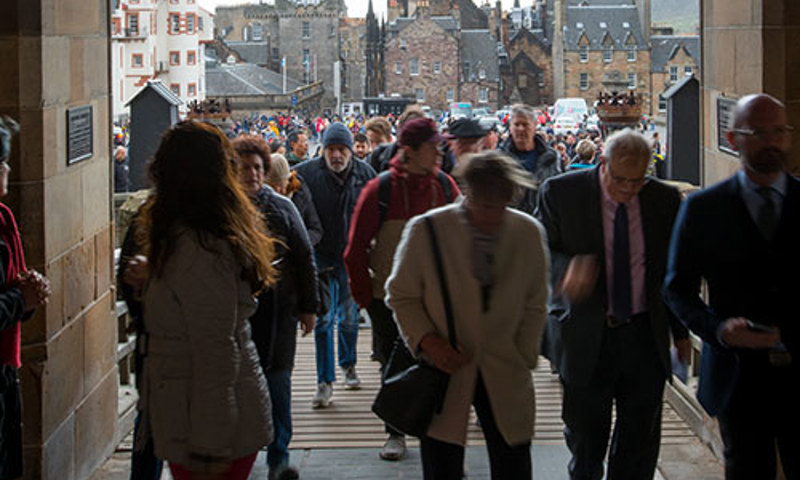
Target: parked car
point(488, 121)
point(565, 124)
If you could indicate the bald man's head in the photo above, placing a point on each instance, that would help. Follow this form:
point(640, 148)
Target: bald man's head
point(761, 134)
point(756, 104)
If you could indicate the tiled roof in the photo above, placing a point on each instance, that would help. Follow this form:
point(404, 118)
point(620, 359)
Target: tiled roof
point(664, 47)
point(242, 79)
point(479, 48)
point(596, 21)
point(251, 52)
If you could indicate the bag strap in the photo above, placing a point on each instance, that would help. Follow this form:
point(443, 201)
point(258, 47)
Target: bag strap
point(448, 307)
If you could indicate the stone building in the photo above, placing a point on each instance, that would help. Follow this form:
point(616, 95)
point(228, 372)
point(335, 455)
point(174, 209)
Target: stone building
point(422, 59)
point(672, 57)
point(528, 73)
point(303, 37)
point(420, 50)
point(605, 49)
point(353, 55)
point(480, 69)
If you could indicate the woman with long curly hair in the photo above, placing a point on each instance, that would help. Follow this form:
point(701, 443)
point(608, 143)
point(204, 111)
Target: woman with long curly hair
point(204, 393)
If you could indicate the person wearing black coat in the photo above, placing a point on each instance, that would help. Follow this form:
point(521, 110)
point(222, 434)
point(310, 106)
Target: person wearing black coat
point(335, 180)
point(293, 299)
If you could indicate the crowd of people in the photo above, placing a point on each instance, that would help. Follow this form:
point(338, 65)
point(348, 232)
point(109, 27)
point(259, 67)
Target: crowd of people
point(563, 246)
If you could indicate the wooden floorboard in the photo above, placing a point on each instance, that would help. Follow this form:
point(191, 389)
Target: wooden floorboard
point(349, 423)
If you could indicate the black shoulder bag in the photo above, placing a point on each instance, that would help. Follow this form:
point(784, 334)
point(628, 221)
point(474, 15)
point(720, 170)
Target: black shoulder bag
point(413, 391)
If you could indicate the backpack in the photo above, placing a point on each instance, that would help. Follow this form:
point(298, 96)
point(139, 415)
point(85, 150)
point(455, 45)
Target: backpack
point(385, 191)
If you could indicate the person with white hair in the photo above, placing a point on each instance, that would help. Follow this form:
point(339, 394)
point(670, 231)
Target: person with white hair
point(608, 329)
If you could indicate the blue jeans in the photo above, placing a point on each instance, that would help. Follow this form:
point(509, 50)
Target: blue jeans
point(343, 313)
point(280, 392)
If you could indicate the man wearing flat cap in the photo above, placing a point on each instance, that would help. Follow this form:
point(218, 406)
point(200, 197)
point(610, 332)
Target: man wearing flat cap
point(335, 180)
point(464, 137)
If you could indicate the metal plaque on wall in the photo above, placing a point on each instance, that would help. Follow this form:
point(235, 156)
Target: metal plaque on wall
point(725, 107)
point(79, 134)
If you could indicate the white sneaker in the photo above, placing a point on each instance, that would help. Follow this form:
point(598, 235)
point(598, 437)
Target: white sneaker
point(394, 449)
point(351, 380)
point(322, 399)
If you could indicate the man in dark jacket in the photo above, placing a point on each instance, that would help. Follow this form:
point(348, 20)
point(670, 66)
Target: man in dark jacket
point(530, 151)
point(335, 180)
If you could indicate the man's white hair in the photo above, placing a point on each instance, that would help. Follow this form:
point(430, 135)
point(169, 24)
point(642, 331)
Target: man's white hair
point(627, 146)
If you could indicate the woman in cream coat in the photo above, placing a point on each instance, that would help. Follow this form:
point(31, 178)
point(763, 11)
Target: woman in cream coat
point(496, 264)
point(204, 392)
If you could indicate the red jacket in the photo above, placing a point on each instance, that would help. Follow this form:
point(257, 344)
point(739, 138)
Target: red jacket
point(371, 245)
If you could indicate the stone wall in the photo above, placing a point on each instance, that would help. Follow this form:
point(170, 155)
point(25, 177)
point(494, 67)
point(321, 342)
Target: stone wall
point(426, 41)
point(749, 46)
point(598, 72)
point(54, 56)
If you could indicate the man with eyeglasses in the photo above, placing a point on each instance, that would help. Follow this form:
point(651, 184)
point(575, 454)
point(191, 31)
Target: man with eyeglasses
point(608, 328)
point(741, 237)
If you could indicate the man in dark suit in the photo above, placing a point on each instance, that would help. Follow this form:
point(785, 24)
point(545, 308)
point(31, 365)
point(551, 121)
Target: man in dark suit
point(741, 237)
point(609, 330)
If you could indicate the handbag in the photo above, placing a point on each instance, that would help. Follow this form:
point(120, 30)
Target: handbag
point(413, 391)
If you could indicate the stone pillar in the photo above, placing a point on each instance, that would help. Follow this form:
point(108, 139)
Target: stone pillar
point(749, 46)
point(54, 56)
point(559, 70)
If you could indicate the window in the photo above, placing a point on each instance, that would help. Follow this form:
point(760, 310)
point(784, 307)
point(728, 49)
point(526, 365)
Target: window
point(631, 53)
point(306, 65)
point(133, 24)
point(258, 31)
point(584, 81)
point(306, 29)
point(133, 2)
point(175, 23)
point(176, 89)
point(583, 53)
point(190, 23)
point(687, 70)
point(175, 57)
point(191, 90)
point(673, 73)
point(191, 57)
point(579, 25)
point(603, 25)
point(116, 26)
point(174, 2)
point(450, 94)
point(608, 53)
point(137, 60)
point(467, 70)
point(482, 74)
point(483, 95)
point(541, 79)
point(402, 44)
point(437, 67)
point(413, 66)
point(631, 80)
point(200, 23)
point(398, 68)
point(662, 103)
point(522, 81)
point(420, 94)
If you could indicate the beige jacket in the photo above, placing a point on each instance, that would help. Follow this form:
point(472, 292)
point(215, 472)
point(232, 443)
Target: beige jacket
point(204, 390)
point(502, 342)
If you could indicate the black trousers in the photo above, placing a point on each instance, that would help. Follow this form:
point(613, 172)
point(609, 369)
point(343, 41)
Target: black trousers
point(10, 424)
point(384, 334)
point(445, 461)
point(630, 376)
point(762, 418)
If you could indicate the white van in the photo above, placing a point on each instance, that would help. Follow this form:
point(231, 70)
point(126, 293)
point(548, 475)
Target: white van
point(572, 107)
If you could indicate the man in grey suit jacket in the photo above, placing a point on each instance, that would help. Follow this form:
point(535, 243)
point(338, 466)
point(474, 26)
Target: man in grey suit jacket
point(609, 331)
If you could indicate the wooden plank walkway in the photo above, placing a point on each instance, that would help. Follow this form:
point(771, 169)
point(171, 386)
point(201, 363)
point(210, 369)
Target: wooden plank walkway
point(349, 422)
